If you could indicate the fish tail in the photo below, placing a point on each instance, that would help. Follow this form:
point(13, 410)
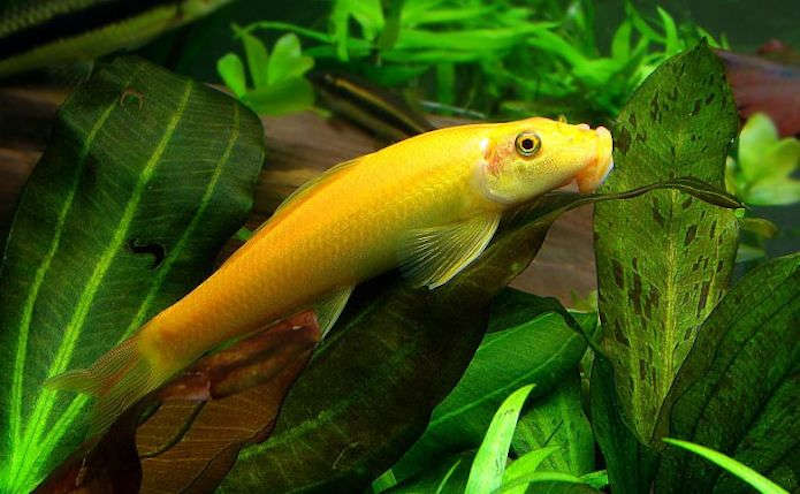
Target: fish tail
point(117, 379)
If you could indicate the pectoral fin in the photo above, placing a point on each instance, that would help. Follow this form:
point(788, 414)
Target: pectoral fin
point(432, 256)
point(329, 308)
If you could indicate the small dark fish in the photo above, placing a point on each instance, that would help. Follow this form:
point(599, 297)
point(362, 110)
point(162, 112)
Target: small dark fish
point(374, 108)
point(761, 85)
point(40, 34)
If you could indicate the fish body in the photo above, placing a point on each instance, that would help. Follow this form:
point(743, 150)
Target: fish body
point(34, 35)
point(429, 205)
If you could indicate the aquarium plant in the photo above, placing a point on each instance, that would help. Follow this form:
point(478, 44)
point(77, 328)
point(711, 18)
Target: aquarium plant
point(681, 375)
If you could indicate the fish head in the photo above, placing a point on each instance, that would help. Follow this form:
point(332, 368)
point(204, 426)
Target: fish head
point(524, 159)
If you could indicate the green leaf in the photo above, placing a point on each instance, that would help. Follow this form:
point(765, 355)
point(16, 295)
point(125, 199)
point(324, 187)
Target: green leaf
point(486, 473)
point(546, 482)
point(287, 61)
point(597, 479)
point(145, 177)
point(630, 464)
point(621, 43)
point(449, 476)
point(738, 390)
point(257, 58)
point(763, 174)
point(755, 479)
point(369, 15)
point(663, 260)
point(231, 69)
point(557, 419)
point(287, 96)
point(671, 43)
point(757, 136)
point(528, 342)
point(527, 463)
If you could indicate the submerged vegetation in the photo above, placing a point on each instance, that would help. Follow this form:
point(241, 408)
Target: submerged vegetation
point(497, 57)
point(682, 374)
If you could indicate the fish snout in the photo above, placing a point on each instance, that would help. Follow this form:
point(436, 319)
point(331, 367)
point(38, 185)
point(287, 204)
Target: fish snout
point(601, 162)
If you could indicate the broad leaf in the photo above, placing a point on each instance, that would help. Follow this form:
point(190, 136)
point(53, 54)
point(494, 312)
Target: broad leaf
point(527, 343)
point(664, 260)
point(557, 420)
point(630, 464)
point(191, 443)
point(738, 391)
point(147, 174)
point(190, 446)
point(486, 473)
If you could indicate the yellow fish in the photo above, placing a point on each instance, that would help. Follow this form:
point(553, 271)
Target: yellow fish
point(429, 205)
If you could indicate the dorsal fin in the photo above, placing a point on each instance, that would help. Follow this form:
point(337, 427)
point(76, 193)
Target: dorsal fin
point(301, 191)
point(304, 189)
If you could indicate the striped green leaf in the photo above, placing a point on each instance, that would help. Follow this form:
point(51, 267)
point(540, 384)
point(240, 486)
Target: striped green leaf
point(146, 175)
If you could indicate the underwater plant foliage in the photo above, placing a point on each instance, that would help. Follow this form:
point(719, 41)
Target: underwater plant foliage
point(738, 389)
point(527, 342)
point(146, 176)
point(277, 83)
point(664, 260)
point(496, 58)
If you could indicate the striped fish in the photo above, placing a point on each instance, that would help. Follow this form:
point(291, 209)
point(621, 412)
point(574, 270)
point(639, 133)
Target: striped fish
point(376, 109)
point(37, 34)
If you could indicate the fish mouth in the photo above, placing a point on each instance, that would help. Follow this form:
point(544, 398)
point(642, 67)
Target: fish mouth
point(598, 168)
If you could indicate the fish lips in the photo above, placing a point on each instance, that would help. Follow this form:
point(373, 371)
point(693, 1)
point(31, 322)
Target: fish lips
point(596, 171)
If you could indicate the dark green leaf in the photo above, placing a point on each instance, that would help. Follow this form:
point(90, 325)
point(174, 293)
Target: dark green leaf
point(738, 390)
point(557, 419)
point(528, 343)
point(664, 260)
point(630, 464)
point(755, 479)
point(146, 175)
point(486, 473)
point(449, 476)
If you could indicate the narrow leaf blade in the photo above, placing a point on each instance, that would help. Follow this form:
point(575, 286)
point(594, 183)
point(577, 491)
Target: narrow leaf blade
point(486, 473)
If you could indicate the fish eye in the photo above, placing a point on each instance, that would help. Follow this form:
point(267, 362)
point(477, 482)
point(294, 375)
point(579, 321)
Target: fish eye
point(528, 143)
